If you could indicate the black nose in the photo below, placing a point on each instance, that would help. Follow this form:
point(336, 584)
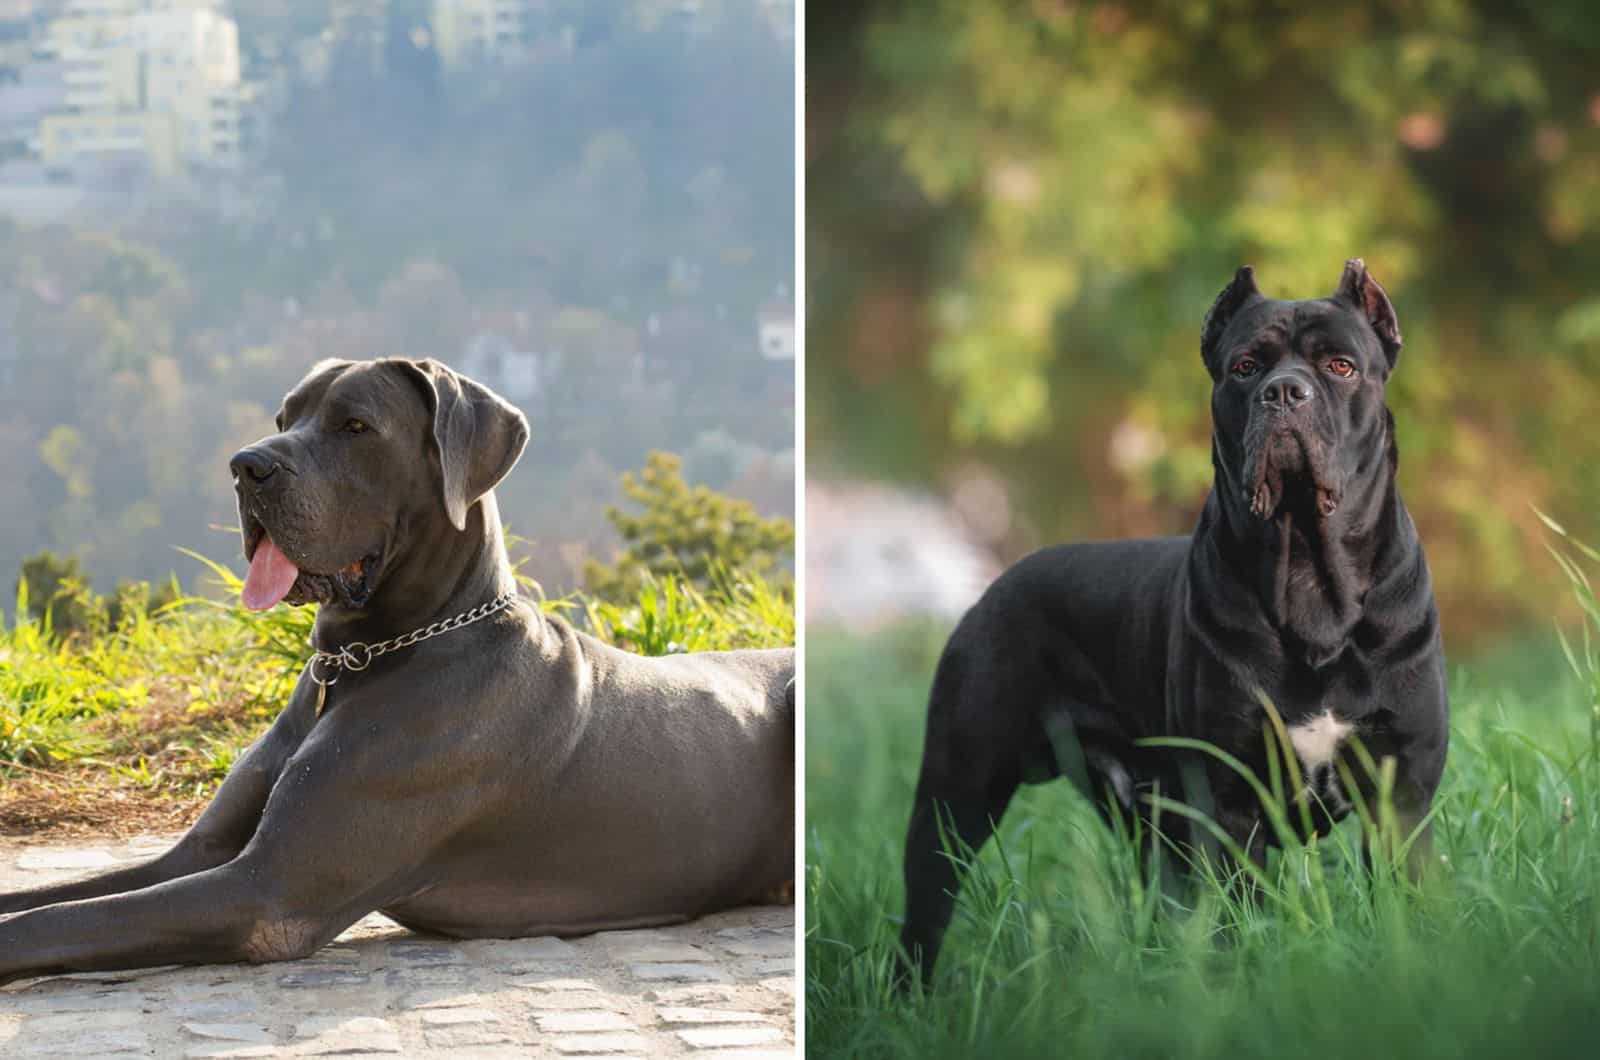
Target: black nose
point(1285, 392)
point(256, 463)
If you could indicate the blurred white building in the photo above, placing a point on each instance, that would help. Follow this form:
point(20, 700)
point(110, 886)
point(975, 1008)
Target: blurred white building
point(775, 328)
point(877, 554)
point(153, 80)
point(471, 32)
point(519, 375)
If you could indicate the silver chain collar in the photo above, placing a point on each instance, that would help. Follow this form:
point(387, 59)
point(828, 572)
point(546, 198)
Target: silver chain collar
point(358, 655)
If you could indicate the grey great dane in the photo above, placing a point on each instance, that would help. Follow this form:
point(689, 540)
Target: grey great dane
point(504, 776)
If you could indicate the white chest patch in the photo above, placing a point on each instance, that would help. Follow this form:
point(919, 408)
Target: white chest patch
point(1317, 740)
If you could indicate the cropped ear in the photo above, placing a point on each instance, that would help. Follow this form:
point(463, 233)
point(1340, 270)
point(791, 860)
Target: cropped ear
point(477, 434)
point(1222, 311)
point(1358, 288)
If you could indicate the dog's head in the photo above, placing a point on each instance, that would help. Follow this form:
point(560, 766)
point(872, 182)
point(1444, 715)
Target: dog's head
point(368, 455)
point(1297, 399)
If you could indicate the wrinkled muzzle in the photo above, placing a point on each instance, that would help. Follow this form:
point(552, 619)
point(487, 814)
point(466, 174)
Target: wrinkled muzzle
point(1287, 461)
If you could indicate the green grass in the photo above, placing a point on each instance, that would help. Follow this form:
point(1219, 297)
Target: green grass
point(1059, 949)
point(671, 616)
point(165, 702)
point(166, 691)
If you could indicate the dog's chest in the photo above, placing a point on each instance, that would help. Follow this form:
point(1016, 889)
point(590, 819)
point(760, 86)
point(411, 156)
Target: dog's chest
point(1316, 742)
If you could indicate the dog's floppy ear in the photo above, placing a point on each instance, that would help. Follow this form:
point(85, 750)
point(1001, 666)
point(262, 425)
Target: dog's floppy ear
point(1230, 301)
point(1358, 288)
point(478, 434)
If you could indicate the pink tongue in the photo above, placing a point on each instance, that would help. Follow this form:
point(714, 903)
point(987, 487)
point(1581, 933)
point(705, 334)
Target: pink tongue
point(270, 577)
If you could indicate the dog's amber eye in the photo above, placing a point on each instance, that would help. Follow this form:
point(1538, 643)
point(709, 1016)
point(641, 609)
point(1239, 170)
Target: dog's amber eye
point(1342, 367)
point(356, 427)
point(1245, 367)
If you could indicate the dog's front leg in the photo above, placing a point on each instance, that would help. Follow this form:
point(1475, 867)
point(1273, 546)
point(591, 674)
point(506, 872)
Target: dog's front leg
point(1417, 759)
point(217, 915)
point(216, 838)
point(1420, 859)
point(1410, 823)
point(347, 828)
point(193, 853)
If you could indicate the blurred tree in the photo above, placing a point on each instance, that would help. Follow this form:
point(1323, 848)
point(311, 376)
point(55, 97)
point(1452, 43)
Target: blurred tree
point(56, 587)
point(1018, 214)
point(717, 457)
point(598, 365)
point(126, 272)
point(424, 310)
point(64, 452)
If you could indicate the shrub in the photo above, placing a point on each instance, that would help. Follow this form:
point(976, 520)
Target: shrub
point(689, 533)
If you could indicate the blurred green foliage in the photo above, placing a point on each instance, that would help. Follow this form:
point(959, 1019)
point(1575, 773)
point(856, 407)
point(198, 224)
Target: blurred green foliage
point(1018, 213)
point(686, 532)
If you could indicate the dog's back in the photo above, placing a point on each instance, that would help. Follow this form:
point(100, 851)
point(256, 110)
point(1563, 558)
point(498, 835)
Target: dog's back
point(1087, 621)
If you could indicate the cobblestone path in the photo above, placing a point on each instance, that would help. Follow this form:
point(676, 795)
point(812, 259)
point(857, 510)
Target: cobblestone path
point(720, 988)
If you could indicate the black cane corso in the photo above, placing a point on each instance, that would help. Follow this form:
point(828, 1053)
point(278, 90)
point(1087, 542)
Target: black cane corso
point(1304, 585)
